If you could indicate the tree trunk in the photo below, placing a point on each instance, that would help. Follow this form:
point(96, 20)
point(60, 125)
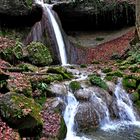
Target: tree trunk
point(138, 17)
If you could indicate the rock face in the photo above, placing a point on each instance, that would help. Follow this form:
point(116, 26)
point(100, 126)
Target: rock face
point(18, 12)
point(95, 14)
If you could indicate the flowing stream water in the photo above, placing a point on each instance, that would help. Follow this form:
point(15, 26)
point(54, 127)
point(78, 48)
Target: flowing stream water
point(127, 123)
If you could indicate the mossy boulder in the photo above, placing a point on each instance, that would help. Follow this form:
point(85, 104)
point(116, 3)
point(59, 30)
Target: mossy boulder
point(21, 113)
point(39, 54)
point(97, 81)
point(74, 85)
point(60, 70)
point(11, 51)
point(20, 84)
point(46, 78)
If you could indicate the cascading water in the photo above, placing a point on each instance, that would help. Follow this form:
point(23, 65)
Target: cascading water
point(69, 116)
point(126, 112)
point(101, 108)
point(57, 31)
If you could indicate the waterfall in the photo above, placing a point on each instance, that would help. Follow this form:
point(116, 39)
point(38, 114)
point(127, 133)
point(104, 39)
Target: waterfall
point(56, 29)
point(58, 34)
point(124, 104)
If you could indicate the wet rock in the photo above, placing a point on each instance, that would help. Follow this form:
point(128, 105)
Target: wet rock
point(86, 117)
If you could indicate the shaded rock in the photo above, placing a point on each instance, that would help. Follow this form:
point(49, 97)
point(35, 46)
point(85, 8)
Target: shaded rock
point(54, 126)
point(21, 113)
point(95, 14)
point(19, 12)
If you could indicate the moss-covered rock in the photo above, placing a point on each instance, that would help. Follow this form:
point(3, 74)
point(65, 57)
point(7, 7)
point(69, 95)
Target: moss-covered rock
point(47, 78)
point(97, 81)
point(39, 54)
point(28, 67)
point(74, 85)
point(20, 83)
point(12, 51)
point(60, 70)
point(21, 113)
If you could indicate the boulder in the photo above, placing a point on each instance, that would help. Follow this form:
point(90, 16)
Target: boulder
point(21, 113)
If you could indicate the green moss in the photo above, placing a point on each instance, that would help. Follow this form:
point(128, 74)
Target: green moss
point(38, 54)
point(106, 70)
point(63, 130)
point(60, 70)
point(83, 65)
point(74, 85)
point(129, 83)
point(134, 68)
point(95, 62)
point(97, 81)
point(99, 39)
point(29, 3)
point(115, 73)
point(114, 79)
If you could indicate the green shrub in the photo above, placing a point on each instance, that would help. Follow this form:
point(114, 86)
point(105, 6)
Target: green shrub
point(97, 81)
point(38, 54)
point(106, 70)
point(74, 85)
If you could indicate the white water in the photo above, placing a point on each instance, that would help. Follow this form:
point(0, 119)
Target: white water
point(69, 115)
point(102, 108)
point(57, 31)
point(127, 116)
point(124, 103)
